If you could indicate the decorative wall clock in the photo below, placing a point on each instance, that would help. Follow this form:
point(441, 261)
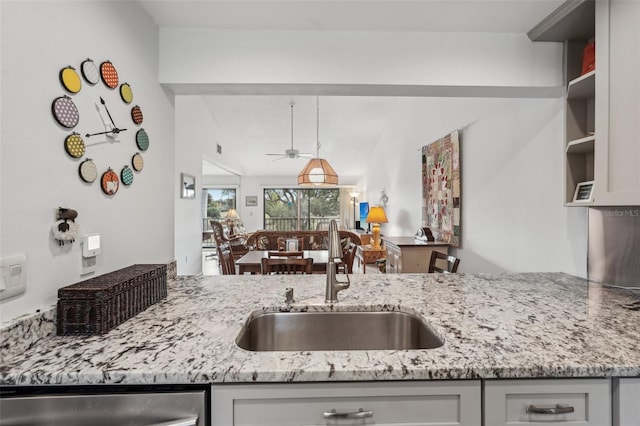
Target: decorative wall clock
point(99, 118)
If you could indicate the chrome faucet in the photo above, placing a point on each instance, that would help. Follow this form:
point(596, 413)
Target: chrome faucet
point(335, 252)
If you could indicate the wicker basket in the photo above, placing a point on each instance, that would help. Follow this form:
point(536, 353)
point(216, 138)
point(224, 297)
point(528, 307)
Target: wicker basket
point(99, 304)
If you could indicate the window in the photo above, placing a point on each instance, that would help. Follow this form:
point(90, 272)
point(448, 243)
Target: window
point(293, 209)
point(218, 203)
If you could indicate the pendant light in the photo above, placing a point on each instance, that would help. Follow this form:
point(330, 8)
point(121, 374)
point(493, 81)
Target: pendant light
point(318, 171)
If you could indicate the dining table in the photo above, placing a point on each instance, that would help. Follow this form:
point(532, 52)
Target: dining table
point(252, 260)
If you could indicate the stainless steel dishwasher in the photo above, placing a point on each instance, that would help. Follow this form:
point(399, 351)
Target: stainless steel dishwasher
point(102, 406)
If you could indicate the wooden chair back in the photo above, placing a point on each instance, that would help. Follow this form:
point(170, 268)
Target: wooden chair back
point(452, 263)
point(289, 254)
point(287, 266)
point(225, 257)
point(218, 232)
point(347, 261)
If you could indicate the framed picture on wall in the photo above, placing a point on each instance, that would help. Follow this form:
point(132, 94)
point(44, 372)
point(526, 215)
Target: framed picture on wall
point(187, 186)
point(251, 200)
point(584, 192)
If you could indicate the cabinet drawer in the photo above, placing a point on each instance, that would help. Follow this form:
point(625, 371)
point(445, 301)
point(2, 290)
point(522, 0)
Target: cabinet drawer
point(392, 403)
point(513, 402)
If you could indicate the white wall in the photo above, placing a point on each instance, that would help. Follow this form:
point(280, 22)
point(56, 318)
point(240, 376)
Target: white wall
point(196, 136)
point(37, 176)
point(356, 58)
point(513, 218)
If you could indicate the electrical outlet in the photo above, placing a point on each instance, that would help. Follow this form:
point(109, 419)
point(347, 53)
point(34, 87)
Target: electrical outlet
point(13, 276)
point(186, 259)
point(88, 266)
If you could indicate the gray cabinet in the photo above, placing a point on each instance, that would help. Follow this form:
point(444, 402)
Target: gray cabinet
point(602, 112)
point(549, 402)
point(617, 151)
point(573, 24)
point(626, 402)
point(451, 402)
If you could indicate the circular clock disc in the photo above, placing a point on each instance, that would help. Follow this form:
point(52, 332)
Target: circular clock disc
point(126, 93)
point(65, 112)
point(136, 114)
point(70, 79)
point(88, 171)
point(142, 140)
point(110, 182)
point(90, 71)
point(109, 74)
point(126, 174)
point(74, 145)
point(137, 162)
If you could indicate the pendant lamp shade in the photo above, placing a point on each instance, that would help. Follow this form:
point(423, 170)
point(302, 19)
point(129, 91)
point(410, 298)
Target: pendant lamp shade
point(318, 171)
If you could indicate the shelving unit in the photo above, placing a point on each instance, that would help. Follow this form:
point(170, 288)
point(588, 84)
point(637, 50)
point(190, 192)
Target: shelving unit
point(573, 23)
point(580, 129)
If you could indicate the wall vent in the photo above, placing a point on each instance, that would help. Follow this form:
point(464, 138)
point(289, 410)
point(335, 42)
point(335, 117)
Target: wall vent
point(219, 148)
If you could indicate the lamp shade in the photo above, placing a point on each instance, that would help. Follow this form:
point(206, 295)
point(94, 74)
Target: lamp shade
point(318, 171)
point(377, 215)
point(232, 214)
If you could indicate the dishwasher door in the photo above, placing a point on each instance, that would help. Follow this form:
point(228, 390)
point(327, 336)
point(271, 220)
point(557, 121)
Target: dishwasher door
point(125, 409)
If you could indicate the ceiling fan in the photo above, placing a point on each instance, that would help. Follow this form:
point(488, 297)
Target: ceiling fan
point(292, 152)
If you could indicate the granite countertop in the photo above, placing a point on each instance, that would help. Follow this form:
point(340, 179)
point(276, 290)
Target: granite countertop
point(494, 326)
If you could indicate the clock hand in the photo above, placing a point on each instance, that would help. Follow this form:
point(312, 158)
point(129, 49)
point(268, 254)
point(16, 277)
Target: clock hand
point(115, 131)
point(108, 113)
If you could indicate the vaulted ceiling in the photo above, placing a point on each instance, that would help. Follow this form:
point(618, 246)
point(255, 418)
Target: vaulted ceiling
point(349, 126)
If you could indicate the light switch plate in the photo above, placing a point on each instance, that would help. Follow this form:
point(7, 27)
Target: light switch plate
point(13, 280)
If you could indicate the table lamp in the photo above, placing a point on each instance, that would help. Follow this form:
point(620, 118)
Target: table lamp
point(376, 216)
point(231, 217)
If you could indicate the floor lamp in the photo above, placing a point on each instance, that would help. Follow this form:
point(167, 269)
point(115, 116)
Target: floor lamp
point(354, 200)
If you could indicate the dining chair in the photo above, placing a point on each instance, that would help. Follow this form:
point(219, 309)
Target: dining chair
point(346, 266)
point(290, 254)
point(225, 257)
point(452, 263)
point(287, 266)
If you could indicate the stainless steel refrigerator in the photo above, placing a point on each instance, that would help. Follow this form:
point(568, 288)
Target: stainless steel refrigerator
point(614, 245)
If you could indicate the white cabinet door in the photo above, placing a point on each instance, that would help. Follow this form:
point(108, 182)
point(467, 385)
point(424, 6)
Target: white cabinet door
point(394, 259)
point(550, 402)
point(430, 403)
point(617, 152)
point(626, 400)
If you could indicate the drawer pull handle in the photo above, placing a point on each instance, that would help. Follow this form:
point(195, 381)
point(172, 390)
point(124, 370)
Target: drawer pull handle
point(360, 414)
point(558, 409)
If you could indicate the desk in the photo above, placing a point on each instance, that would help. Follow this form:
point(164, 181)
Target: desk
point(251, 261)
point(408, 255)
point(369, 255)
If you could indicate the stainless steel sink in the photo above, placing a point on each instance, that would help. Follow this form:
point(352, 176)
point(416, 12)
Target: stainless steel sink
point(333, 331)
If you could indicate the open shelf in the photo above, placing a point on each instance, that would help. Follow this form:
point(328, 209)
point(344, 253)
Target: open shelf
point(583, 87)
point(581, 146)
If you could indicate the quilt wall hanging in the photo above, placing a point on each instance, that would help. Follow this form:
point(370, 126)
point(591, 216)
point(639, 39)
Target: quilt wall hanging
point(441, 182)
